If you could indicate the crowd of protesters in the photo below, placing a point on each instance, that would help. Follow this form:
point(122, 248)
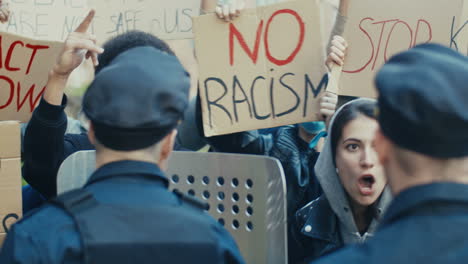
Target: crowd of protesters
point(374, 181)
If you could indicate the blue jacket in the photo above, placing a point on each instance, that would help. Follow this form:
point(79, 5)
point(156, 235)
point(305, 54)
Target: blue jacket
point(49, 235)
point(424, 224)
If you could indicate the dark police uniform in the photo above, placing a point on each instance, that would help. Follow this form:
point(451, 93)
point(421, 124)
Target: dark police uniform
point(126, 214)
point(423, 108)
point(50, 236)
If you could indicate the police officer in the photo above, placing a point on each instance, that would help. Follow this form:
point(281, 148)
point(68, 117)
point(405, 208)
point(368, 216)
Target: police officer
point(46, 144)
point(423, 146)
point(125, 213)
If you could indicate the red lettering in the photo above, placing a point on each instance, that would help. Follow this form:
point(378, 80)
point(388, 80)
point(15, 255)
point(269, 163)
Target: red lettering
point(29, 94)
point(233, 32)
point(385, 37)
point(299, 44)
point(253, 54)
point(12, 91)
point(1, 52)
point(417, 31)
point(35, 48)
point(380, 39)
point(372, 44)
point(10, 54)
point(390, 35)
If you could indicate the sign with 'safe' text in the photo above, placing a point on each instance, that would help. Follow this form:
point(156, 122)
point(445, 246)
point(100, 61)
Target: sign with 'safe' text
point(263, 70)
point(55, 19)
point(45, 19)
point(376, 30)
point(164, 19)
point(24, 67)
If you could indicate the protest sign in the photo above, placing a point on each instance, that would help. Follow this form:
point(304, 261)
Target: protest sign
point(376, 30)
point(24, 68)
point(162, 18)
point(45, 19)
point(10, 176)
point(459, 36)
point(265, 69)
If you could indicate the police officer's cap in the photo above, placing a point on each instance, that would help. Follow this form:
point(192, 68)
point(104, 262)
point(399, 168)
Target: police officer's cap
point(423, 101)
point(138, 99)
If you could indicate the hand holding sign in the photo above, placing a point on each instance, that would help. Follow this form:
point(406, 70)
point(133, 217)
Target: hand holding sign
point(328, 104)
point(229, 9)
point(78, 44)
point(377, 30)
point(337, 53)
point(4, 10)
point(335, 58)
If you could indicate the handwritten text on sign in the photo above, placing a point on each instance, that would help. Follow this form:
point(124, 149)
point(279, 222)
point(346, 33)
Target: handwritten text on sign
point(263, 70)
point(165, 19)
point(45, 19)
point(378, 30)
point(24, 67)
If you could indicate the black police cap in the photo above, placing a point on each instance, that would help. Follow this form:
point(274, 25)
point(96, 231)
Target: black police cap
point(423, 101)
point(138, 99)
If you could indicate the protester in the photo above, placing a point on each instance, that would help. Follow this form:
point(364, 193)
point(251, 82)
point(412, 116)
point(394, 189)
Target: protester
point(296, 147)
point(46, 145)
point(125, 213)
point(353, 183)
point(422, 146)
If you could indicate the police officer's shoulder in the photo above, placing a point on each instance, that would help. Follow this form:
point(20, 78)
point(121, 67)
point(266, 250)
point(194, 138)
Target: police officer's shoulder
point(191, 201)
point(38, 221)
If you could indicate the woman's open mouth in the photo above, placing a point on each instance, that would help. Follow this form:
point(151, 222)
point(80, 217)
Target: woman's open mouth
point(366, 183)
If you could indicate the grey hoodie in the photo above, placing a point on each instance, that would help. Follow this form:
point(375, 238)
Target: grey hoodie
point(336, 195)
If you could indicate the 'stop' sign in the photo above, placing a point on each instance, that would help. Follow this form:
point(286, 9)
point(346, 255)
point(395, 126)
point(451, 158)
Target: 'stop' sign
point(376, 30)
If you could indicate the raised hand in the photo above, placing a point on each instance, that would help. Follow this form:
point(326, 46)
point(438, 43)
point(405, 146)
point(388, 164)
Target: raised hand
point(4, 10)
point(78, 46)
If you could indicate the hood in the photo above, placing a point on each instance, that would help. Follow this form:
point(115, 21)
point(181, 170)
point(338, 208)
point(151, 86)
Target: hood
point(325, 171)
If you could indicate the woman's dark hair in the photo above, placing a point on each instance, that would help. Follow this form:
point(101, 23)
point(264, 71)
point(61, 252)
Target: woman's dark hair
point(348, 114)
point(131, 39)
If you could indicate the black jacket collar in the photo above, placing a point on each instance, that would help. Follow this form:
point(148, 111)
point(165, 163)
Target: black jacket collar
point(435, 194)
point(129, 169)
point(320, 222)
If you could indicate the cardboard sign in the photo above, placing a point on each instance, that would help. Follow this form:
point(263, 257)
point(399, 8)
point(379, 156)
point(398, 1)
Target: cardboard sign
point(10, 176)
point(24, 68)
point(376, 30)
point(266, 69)
point(45, 19)
point(164, 19)
point(459, 38)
